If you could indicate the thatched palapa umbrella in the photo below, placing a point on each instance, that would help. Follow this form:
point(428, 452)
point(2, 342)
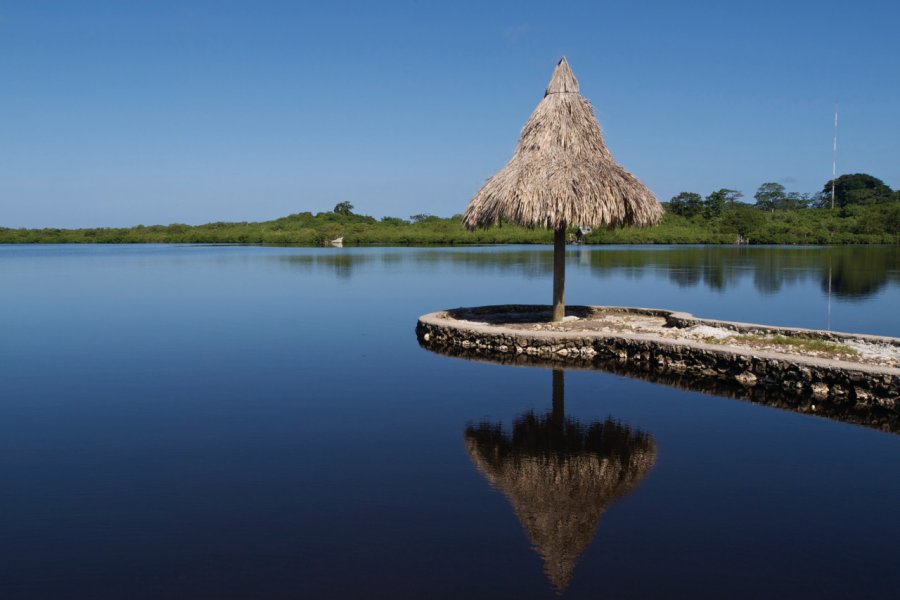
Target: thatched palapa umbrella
point(560, 476)
point(562, 175)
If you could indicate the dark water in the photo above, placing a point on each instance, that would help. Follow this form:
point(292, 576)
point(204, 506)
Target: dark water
point(231, 422)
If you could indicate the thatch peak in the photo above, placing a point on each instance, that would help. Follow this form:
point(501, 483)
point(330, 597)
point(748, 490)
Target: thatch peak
point(561, 174)
point(563, 80)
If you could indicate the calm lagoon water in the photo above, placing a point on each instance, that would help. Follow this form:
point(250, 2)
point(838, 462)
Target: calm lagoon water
point(244, 422)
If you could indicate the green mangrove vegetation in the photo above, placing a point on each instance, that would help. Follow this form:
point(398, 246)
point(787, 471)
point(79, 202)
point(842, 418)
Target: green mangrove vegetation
point(866, 211)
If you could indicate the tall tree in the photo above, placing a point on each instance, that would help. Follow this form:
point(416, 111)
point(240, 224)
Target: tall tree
point(719, 201)
point(686, 204)
point(770, 196)
point(857, 188)
point(421, 218)
point(343, 208)
point(742, 220)
point(795, 201)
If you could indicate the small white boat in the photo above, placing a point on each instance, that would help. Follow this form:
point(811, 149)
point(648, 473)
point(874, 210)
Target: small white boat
point(339, 242)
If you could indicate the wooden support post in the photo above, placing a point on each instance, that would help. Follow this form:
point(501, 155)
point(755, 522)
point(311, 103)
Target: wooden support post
point(559, 274)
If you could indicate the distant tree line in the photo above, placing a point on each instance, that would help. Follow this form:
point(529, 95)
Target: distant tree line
point(849, 190)
point(723, 210)
point(866, 212)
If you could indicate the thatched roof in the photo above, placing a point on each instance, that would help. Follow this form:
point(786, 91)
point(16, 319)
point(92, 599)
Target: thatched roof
point(562, 173)
point(560, 477)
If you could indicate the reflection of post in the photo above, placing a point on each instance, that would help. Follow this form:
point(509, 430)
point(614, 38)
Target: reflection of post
point(559, 395)
point(828, 324)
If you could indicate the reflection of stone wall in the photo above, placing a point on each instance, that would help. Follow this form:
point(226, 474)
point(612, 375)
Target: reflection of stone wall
point(867, 415)
point(825, 382)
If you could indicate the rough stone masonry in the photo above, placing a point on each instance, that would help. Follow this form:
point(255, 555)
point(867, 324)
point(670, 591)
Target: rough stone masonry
point(494, 329)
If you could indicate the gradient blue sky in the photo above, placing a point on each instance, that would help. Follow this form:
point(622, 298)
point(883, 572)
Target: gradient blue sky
point(119, 112)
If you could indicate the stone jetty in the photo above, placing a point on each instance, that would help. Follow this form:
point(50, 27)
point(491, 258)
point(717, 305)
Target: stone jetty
point(827, 371)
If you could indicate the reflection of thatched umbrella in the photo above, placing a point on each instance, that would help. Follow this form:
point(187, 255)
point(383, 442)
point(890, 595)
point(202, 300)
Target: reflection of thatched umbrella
point(562, 175)
point(560, 476)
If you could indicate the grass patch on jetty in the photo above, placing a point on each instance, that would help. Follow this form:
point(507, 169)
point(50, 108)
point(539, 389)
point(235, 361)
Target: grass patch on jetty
point(801, 343)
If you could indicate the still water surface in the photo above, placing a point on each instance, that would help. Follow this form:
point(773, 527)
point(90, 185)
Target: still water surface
point(242, 422)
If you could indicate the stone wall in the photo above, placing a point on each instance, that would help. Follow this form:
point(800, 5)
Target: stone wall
point(826, 381)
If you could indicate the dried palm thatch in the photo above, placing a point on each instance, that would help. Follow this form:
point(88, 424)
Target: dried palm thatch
point(560, 478)
point(562, 174)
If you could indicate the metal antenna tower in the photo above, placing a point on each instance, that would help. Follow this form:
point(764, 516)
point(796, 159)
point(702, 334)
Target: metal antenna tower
point(834, 155)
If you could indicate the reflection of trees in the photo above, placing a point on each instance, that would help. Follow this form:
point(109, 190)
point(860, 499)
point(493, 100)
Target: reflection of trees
point(768, 276)
point(560, 476)
point(685, 277)
point(340, 263)
point(715, 275)
point(530, 263)
point(686, 267)
point(856, 272)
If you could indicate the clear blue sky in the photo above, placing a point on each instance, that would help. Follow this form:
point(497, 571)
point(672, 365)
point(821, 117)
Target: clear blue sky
point(124, 112)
